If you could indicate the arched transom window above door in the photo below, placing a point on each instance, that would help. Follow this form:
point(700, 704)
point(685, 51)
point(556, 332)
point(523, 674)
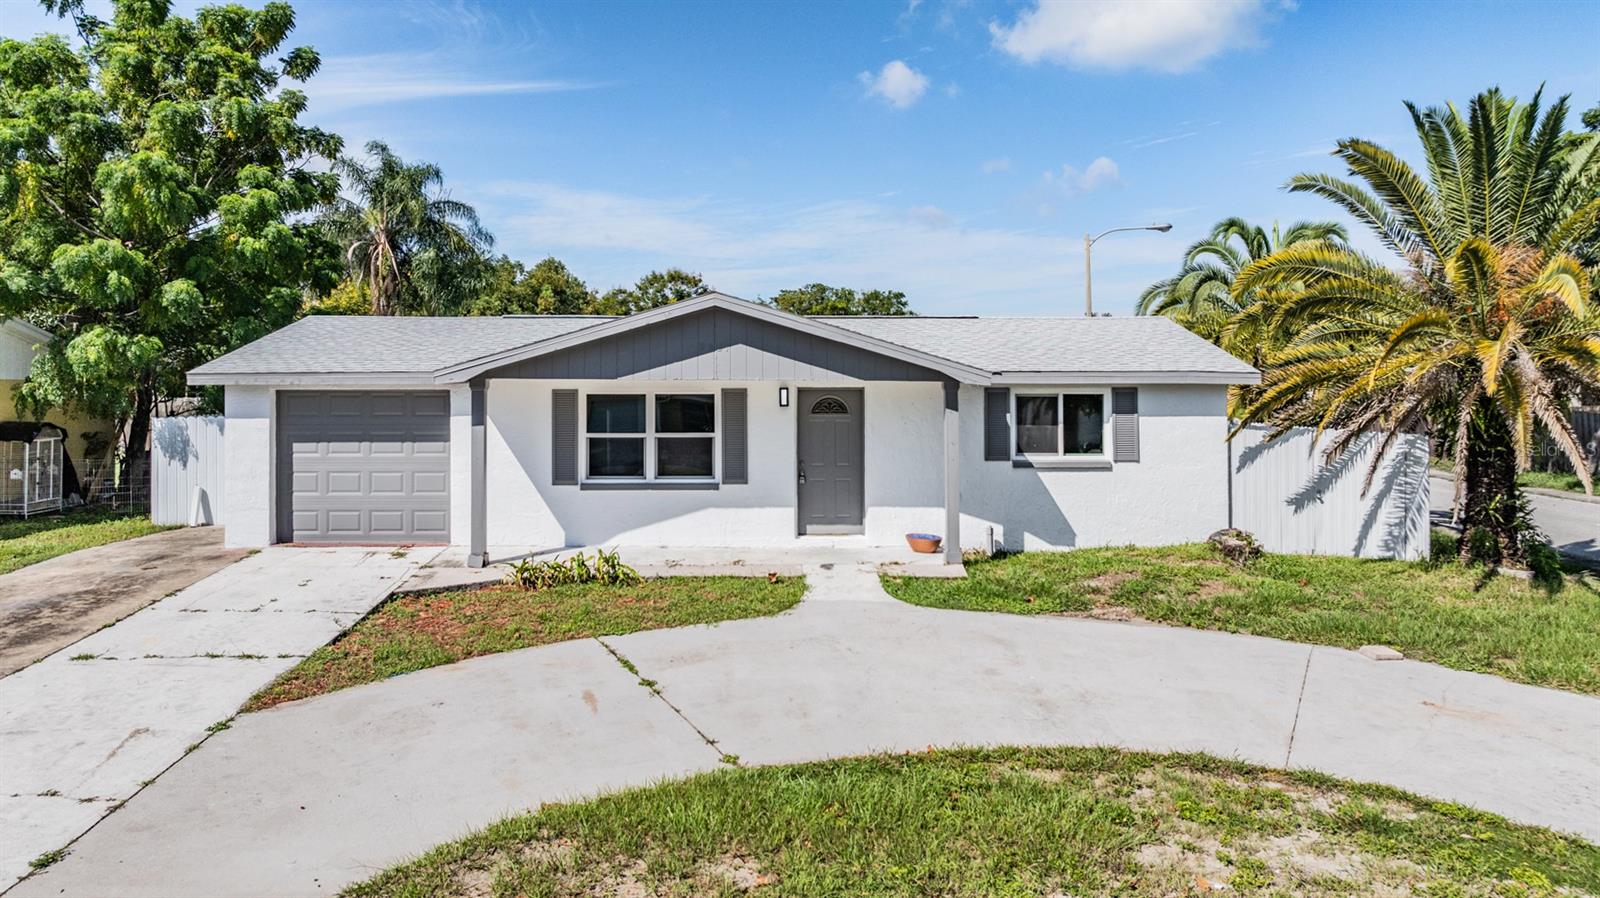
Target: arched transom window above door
point(829, 405)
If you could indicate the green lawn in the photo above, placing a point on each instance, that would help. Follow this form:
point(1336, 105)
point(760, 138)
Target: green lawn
point(1551, 480)
point(413, 632)
point(25, 541)
point(1000, 823)
point(1443, 613)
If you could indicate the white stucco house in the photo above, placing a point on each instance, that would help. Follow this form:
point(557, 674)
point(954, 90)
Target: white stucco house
point(721, 422)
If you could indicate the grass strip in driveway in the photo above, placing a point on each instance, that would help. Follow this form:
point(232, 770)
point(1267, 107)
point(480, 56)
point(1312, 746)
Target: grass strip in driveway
point(1444, 613)
point(1003, 822)
point(412, 632)
point(25, 541)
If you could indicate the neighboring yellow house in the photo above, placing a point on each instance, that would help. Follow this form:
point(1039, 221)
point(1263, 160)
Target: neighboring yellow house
point(19, 343)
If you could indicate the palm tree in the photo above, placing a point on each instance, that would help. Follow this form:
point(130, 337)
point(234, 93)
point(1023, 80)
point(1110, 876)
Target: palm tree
point(1484, 333)
point(1200, 296)
point(401, 232)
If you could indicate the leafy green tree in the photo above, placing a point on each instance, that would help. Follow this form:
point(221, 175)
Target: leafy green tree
point(546, 289)
point(658, 288)
point(1200, 296)
point(1486, 331)
point(821, 299)
point(416, 250)
point(152, 185)
point(1591, 118)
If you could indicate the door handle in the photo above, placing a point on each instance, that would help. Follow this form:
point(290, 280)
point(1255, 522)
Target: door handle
point(802, 472)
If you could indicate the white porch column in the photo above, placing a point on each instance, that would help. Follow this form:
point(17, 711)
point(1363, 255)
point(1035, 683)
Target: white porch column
point(952, 472)
point(477, 549)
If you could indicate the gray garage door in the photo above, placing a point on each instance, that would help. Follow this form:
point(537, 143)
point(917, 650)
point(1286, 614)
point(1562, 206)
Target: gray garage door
point(363, 467)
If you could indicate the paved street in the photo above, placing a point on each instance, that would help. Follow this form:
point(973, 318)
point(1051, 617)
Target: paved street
point(1572, 524)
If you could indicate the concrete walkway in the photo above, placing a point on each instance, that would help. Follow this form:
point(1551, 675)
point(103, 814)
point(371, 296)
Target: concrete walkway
point(308, 797)
point(80, 734)
point(52, 604)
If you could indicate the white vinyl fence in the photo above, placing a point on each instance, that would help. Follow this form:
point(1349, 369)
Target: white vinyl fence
point(1284, 495)
point(186, 470)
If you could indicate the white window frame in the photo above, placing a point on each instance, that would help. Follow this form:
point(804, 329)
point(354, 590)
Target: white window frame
point(651, 435)
point(1061, 458)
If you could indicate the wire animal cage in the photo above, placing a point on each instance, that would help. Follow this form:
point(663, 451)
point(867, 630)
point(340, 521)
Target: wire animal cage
point(32, 470)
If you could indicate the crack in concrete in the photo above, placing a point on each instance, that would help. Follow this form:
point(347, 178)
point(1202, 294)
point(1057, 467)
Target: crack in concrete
point(655, 689)
point(1299, 699)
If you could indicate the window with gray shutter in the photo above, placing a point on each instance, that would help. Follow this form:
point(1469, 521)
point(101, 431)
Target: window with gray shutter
point(735, 437)
point(996, 429)
point(564, 437)
point(1124, 424)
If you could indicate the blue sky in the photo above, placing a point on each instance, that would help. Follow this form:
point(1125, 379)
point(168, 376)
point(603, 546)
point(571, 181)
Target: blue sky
point(953, 149)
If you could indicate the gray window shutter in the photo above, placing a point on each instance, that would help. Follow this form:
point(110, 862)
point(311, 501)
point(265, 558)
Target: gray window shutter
point(1125, 424)
point(564, 437)
point(996, 428)
point(735, 436)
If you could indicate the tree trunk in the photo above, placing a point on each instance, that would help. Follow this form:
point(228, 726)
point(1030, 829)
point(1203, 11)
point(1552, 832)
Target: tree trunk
point(1492, 516)
point(135, 453)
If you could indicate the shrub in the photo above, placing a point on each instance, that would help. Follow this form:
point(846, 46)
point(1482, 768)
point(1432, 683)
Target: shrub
point(606, 568)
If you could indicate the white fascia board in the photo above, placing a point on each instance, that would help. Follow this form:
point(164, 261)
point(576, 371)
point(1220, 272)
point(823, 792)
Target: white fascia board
point(1024, 378)
point(476, 367)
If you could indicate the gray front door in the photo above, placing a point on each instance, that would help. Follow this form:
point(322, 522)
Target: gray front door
point(363, 467)
point(831, 447)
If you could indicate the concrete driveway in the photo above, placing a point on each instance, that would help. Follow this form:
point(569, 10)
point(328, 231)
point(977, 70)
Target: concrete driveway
point(52, 604)
point(87, 727)
point(308, 797)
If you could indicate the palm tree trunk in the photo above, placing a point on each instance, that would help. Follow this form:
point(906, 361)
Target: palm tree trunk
point(1493, 512)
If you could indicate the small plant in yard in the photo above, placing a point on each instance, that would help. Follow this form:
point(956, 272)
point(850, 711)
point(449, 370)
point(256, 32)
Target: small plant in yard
point(84, 656)
point(605, 568)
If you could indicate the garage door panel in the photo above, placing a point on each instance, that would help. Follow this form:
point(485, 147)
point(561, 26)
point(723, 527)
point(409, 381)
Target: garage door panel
point(360, 466)
point(344, 483)
point(391, 522)
point(388, 483)
point(430, 483)
point(434, 521)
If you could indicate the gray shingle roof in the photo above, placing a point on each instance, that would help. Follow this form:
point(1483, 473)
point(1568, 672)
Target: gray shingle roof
point(402, 349)
point(1066, 345)
point(359, 344)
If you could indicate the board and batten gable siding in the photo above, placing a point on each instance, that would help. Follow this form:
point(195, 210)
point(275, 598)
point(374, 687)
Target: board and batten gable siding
point(716, 345)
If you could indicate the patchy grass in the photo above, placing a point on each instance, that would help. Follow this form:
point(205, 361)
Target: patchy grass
point(1551, 480)
point(25, 541)
point(413, 632)
point(1441, 612)
point(1003, 822)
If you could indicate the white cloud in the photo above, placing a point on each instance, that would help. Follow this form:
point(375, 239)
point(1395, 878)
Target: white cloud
point(996, 165)
point(346, 82)
point(757, 250)
point(1102, 172)
point(1160, 35)
point(896, 83)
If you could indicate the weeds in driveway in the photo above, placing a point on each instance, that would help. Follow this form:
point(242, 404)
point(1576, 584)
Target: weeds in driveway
point(1004, 822)
point(410, 633)
point(46, 859)
point(1441, 612)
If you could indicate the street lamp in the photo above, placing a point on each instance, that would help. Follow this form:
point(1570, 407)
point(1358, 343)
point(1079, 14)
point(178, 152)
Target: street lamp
point(1088, 243)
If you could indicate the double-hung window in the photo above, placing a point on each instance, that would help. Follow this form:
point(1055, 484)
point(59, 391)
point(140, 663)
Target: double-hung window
point(1060, 425)
point(651, 436)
